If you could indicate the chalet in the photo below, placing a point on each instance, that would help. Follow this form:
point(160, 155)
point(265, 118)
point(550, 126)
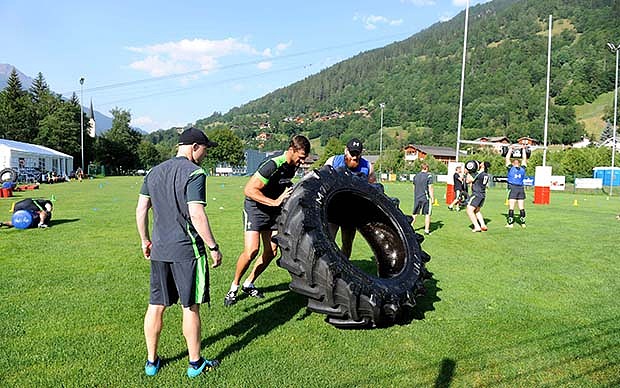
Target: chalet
point(527, 141)
point(495, 139)
point(442, 154)
point(263, 136)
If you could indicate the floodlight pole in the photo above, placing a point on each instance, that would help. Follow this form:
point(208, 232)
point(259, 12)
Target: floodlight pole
point(382, 105)
point(82, 120)
point(544, 161)
point(458, 130)
point(614, 49)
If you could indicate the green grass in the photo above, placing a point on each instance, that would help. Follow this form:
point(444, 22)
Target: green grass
point(530, 308)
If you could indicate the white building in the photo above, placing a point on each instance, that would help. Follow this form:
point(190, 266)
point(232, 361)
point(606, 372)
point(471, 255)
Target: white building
point(18, 155)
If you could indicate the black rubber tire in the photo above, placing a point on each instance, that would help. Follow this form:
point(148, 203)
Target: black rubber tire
point(8, 175)
point(334, 286)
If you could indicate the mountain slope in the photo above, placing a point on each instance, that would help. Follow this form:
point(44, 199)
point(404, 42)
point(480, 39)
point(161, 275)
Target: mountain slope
point(419, 78)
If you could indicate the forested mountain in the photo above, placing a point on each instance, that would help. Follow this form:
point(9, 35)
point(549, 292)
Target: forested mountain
point(419, 80)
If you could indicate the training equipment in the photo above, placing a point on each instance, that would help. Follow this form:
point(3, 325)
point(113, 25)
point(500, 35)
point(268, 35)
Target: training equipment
point(472, 165)
point(516, 152)
point(319, 270)
point(22, 219)
point(8, 175)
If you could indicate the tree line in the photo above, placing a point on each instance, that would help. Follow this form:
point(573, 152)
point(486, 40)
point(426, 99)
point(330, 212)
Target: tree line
point(40, 116)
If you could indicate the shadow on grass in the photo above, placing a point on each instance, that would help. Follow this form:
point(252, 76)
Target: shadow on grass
point(594, 342)
point(424, 303)
point(446, 373)
point(268, 315)
point(55, 221)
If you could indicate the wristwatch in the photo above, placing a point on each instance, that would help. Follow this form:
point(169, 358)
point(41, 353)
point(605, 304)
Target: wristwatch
point(215, 248)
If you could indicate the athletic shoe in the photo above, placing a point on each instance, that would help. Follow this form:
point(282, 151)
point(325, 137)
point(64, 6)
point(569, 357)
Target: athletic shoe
point(230, 298)
point(204, 366)
point(253, 292)
point(426, 232)
point(523, 226)
point(450, 208)
point(476, 230)
point(151, 368)
point(509, 226)
point(42, 226)
point(484, 228)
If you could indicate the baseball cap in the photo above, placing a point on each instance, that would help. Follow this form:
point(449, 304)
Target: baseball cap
point(355, 146)
point(193, 135)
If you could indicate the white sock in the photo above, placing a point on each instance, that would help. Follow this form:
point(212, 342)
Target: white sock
point(234, 287)
point(247, 284)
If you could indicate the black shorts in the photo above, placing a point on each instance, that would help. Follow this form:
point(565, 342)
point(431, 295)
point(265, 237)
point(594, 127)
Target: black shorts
point(516, 192)
point(185, 280)
point(257, 220)
point(475, 201)
point(422, 207)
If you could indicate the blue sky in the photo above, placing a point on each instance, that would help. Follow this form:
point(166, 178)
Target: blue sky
point(171, 63)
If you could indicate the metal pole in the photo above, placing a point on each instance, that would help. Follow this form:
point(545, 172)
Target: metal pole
point(382, 105)
point(544, 161)
point(458, 130)
point(82, 120)
point(615, 49)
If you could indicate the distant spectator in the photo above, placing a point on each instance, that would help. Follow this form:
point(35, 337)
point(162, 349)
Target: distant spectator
point(79, 174)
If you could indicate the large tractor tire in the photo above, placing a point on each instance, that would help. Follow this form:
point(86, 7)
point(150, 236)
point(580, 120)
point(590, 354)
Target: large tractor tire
point(334, 286)
point(8, 175)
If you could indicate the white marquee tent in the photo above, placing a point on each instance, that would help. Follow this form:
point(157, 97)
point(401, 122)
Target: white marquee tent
point(17, 155)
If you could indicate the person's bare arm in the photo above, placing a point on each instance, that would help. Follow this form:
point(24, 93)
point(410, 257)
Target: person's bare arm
point(508, 154)
point(200, 220)
point(371, 173)
point(253, 191)
point(142, 222)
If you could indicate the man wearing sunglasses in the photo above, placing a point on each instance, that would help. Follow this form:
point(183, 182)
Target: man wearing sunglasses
point(353, 161)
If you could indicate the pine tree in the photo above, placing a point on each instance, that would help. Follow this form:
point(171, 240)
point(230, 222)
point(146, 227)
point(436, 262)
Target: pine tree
point(607, 131)
point(17, 121)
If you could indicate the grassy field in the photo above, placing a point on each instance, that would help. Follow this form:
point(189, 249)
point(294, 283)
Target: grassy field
point(533, 307)
point(591, 115)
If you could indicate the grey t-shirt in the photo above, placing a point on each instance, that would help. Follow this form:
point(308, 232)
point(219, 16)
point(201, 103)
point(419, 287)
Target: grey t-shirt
point(421, 181)
point(171, 186)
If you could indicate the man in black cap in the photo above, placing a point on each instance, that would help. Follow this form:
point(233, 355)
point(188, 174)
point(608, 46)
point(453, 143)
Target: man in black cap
point(176, 192)
point(353, 161)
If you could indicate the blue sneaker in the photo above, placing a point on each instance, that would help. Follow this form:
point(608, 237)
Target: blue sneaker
point(151, 368)
point(204, 365)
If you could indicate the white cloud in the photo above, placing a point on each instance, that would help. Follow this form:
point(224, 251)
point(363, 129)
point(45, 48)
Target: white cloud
point(280, 47)
point(370, 22)
point(178, 57)
point(265, 65)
